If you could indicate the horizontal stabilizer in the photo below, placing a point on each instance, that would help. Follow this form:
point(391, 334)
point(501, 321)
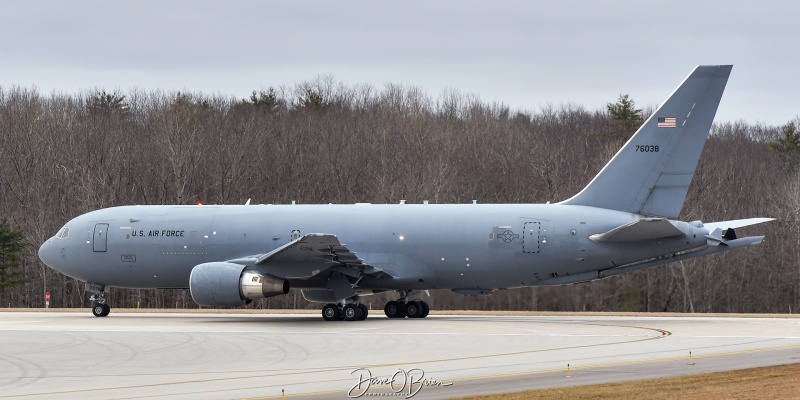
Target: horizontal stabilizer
point(642, 229)
point(738, 223)
point(723, 233)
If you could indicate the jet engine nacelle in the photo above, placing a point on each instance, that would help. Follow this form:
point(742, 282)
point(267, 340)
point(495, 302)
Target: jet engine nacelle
point(229, 284)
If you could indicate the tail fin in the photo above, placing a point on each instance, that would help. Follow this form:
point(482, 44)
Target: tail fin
point(651, 173)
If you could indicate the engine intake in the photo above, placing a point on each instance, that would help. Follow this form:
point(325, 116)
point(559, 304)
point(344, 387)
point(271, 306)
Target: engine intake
point(229, 284)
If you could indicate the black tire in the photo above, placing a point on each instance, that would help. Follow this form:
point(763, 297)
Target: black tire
point(99, 310)
point(394, 309)
point(351, 312)
point(426, 309)
point(331, 312)
point(106, 310)
point(364, 312)
point(414, 309)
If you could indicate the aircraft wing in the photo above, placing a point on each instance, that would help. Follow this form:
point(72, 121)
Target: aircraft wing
point(641, 229)
point(314, 253)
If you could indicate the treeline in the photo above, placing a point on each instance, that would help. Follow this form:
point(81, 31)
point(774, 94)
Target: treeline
point(324, 142)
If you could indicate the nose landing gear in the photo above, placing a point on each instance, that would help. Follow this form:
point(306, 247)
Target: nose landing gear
point(99, 306)
point(100, 310)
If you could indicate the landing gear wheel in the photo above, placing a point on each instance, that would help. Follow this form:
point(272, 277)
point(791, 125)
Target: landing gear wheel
point(331, 312)
point(101, 310)
point(351, 312)
point(426, 309)
point(414, 309)
point(364, 312)
point(394, 309)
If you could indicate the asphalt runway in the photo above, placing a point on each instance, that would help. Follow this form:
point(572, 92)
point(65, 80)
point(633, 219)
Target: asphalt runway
point(219, 356)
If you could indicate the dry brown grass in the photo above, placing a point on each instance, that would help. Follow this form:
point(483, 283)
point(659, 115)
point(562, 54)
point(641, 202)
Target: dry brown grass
point(779, 382)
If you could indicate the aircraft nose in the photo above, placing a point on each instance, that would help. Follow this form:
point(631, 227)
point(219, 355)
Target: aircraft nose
point(48, 253)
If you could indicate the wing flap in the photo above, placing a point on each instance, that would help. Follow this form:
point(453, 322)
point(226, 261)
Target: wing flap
point(317, 251)
point(308, 248)
point(641, 229)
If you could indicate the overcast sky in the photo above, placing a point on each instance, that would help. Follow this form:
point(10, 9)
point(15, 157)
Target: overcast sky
point(526, 54)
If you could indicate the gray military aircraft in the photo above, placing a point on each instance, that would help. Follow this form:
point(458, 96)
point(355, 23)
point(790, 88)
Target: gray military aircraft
point(229, 255)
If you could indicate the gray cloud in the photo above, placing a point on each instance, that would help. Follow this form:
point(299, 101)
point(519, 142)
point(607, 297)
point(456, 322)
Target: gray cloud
point(524, 53)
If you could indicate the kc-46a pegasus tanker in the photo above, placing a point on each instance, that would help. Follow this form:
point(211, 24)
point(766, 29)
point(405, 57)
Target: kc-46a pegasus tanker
point(229, 255)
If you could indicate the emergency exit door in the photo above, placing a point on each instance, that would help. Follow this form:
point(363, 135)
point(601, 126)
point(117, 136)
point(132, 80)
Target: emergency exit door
point(530, 237)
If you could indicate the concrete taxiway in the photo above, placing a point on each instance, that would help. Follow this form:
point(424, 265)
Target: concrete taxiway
point(214, 356)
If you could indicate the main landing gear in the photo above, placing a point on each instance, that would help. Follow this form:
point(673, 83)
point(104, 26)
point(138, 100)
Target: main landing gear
point(355, 311)
point(403, 308)
point(99, 306)
point(347, 312)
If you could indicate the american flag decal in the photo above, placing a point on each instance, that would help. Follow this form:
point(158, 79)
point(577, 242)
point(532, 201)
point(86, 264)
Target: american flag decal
point(666, 122)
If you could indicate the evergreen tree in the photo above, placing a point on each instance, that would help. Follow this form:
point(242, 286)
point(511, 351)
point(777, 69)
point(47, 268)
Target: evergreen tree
point(10, 246)
point(788, 146)
point(108, 104)
point(311, 99)
point(628, 116)
point(268, 99)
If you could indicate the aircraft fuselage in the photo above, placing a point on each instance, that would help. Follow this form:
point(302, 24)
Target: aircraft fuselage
point(423, 246)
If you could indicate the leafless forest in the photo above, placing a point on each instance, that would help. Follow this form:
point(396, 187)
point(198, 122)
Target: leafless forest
point(324, 142)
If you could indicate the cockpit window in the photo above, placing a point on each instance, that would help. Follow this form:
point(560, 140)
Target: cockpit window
point(63, 233)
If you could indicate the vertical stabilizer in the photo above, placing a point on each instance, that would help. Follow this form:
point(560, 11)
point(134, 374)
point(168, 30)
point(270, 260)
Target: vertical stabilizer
point(651, 173)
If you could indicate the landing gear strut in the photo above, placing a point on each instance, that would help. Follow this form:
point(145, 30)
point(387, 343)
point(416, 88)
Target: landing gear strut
point(402, 308)
point(99, 306)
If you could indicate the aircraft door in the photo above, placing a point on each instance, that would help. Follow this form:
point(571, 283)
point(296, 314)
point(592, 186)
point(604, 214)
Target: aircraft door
point(100, 237)
point(530, 237)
